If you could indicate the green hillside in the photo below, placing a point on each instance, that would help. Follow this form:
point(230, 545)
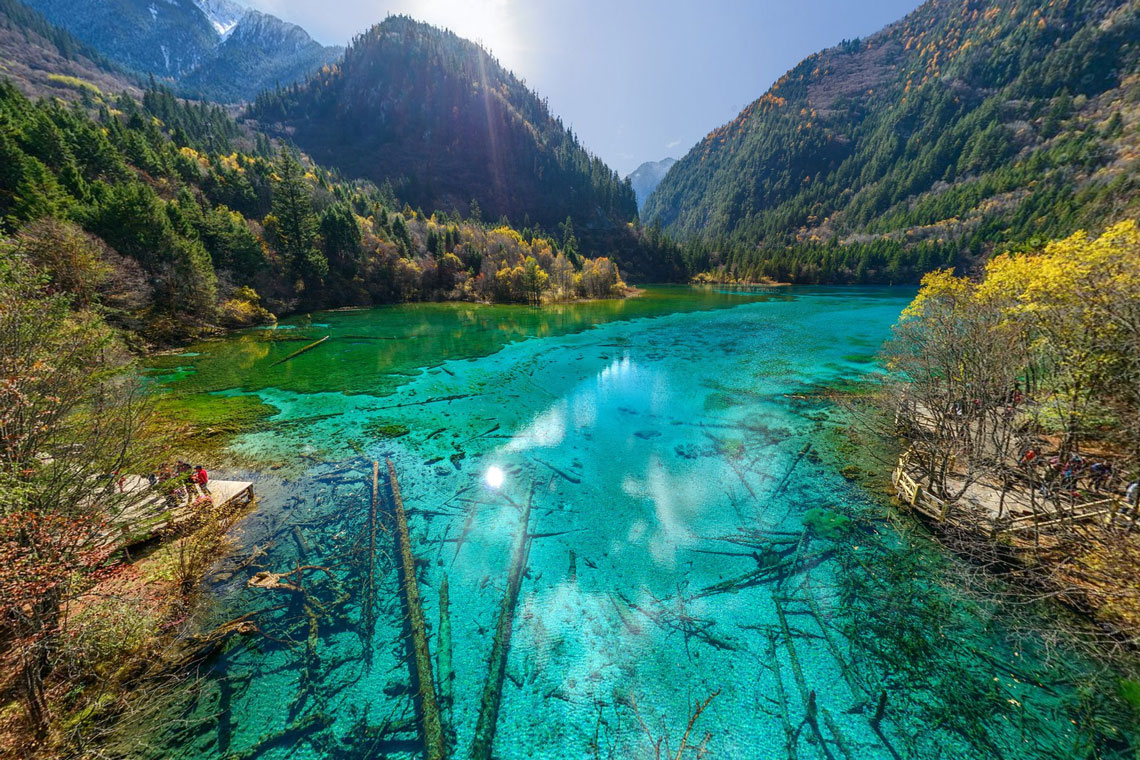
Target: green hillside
point(967, 127)
point(176, 220)
point(441, 120)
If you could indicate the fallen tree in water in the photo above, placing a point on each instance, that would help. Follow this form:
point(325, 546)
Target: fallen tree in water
point(484, 740)
point(300, 351)
point(423, 683)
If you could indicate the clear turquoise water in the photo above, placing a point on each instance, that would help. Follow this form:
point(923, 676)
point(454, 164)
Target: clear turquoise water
point(675, 449)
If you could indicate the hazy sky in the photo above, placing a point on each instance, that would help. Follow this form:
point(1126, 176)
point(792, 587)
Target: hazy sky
point(637, 80)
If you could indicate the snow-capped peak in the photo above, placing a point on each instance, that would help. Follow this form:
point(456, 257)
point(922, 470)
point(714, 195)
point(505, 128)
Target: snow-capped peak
point(223, 14)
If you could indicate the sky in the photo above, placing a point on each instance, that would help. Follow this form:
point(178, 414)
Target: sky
point(637, 80)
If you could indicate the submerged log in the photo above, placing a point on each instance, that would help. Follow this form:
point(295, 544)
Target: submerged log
point(626, 618)
point(788, 475)
point(467, 524)
point(368, 603)
point(436, 400)
point(782, 698)
point(675, 617)
point(796, 558)
point(772, 573)
point(267, 580)
point(302, 544)
point(198, 647)
point(479, 435)
point(567, 476)
point(443, 652)
point(298, 352)
point(295, 734)
point(833, 727)
point(797, 671)
point(853, 686)
point(880, 711)
point(484, 739)
point(428, 705)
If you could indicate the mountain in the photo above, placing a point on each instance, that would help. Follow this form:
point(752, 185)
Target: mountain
point(166, 38)
point(214, 49)
point(647, 177)
point(48, 62)
point(258, 52)
point(223, 14)
point(441, 120)
point(965, 128)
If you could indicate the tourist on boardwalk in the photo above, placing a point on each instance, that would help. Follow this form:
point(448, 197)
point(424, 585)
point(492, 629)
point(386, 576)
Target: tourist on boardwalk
point(202, 479)
point(1099, 474)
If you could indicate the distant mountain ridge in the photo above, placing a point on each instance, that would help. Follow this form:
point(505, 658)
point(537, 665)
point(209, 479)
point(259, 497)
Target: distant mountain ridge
point(216, 49)
point(441, 120)
point(223, 14)
point(259, 52)
point(965, 128)
point(647, 177)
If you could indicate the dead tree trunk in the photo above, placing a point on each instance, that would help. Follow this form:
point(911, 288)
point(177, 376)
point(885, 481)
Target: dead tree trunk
point(484, 739)
point(443, 649)
point(369, 601)
point(423, 681)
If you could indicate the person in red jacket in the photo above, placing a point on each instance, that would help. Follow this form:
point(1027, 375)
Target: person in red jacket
point(202, 478)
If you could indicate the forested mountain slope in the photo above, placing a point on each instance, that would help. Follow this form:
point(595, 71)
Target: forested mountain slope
point(163, 38)
point(965, 128)
point(440, 119)
point(175, 219)
point(261, 52)
point(214, 50)
point(46, 60)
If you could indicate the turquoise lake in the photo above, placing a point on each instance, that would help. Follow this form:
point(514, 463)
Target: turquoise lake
point(692, 536)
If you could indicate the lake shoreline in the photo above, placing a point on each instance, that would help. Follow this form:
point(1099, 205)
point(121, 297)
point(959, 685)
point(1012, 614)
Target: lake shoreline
point(999, 559)
point(218, 332)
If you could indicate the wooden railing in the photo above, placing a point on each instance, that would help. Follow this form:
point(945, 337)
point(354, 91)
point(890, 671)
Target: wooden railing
point(917, 495)
point(1093, 510)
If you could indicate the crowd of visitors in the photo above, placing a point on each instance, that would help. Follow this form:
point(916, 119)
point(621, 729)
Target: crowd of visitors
point(1069, 474)
point(181, 484)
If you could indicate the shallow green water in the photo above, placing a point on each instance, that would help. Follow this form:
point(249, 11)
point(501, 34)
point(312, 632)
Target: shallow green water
point(693, 536)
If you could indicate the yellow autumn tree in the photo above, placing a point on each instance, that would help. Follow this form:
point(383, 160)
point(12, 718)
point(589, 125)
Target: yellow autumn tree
point(1060, 326)
point(1078, 302)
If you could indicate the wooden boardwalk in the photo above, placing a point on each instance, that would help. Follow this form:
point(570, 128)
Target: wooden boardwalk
point(913, 492)
point(151, 514)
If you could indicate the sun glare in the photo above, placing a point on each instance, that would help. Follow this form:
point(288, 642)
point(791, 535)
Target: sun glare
point(488, 22)
point(493, 477)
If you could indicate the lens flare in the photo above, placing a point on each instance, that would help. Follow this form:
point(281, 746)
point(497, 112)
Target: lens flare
point(494, 477)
